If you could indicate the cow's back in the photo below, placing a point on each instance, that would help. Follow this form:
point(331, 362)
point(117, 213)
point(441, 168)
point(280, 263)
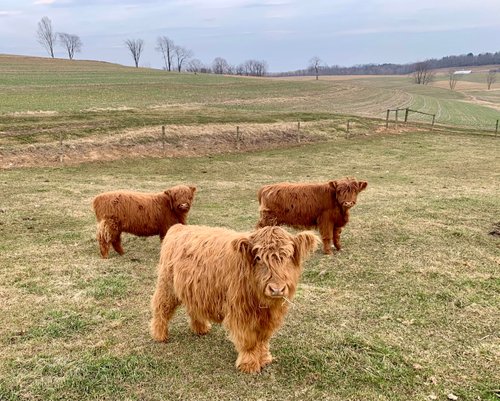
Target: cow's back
point(137, 213)
point(295, 204)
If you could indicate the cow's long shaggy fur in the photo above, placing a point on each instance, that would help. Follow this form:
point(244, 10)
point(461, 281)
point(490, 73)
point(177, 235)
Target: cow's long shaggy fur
point(242, 280)
point(307, 205)
point(142, 214)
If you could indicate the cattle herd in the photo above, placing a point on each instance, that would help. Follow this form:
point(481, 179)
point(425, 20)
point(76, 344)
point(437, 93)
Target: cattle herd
point(243, 280)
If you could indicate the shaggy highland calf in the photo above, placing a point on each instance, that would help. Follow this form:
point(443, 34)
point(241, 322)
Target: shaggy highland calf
point(325, 206)
point(141, 214)
point(243, 280)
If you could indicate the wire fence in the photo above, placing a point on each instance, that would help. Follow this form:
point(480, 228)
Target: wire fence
point(173, 140)
point(203, 139)
point(432, 121)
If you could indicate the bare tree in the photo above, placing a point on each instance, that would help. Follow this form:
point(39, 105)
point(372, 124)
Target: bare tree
point(491, 78)
point(253, 67)
point(315, 64)
point(423, 74)
point(136, 46)
point(453, 78)
point(181, 55)
point(72, 43)
point(196, 66)
point(239, 69)
point(220, 66)
point(166, 47)
point(46, 36)
point(260, 68)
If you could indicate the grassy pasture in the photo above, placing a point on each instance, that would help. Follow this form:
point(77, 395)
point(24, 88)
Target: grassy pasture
point(43, 98)
point(407, 311)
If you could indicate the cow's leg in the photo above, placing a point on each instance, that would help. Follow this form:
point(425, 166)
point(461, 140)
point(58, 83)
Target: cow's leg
point(248, 360)
point(103, 238)
point(252, 347)
point(336, 237)
point(163, 306)
point(247, 345)
point(326, 231)
point(108, 233)
point(117, 243)
point(200, 326)
point(265, 356)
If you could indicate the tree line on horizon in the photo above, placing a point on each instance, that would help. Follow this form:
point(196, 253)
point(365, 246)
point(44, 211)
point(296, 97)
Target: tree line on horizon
point(465, 60)
point(179, 58)
point(175, 57)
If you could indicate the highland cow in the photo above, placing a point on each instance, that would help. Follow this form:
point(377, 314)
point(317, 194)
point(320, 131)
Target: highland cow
point(142, 214)
point(242, 280)
point(325, 206)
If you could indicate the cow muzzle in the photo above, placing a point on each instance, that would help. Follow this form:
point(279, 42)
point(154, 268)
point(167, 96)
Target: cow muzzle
point(183, 206)
point(348, 205)
point(276, 290)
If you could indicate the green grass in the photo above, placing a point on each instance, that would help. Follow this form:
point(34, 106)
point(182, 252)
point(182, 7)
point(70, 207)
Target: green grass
point(455, 108)
point(408, 310)
point(44, 98)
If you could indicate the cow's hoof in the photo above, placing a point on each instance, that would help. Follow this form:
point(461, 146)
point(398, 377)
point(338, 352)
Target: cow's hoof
point(266, 359)
point(249, 367)
point(158, 334)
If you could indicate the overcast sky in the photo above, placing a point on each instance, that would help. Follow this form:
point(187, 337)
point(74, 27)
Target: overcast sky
point(284, 33)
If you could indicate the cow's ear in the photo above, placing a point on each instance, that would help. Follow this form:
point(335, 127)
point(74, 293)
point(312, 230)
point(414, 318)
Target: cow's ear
point(362, 185)
point(243, 246)
point(333, 185)
point(305, 243)
point(193, 189)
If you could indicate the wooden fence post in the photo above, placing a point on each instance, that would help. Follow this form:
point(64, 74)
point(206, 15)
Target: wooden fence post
point(61, 149)
point(163, 138)
point(298, 132)
point(496, 129)
point(238, 137)
point(433, 120)
point(406, 115)
point(387, 119)
point(397, 118)
point(347, 130)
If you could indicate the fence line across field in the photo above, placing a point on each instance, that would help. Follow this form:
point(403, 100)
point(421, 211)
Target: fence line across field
point(407, 112)
point(349, 123)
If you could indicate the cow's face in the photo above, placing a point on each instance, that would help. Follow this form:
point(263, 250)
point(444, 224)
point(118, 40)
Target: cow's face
point(180, 198)
point(275, 259)
point(346, 191)
point(276, 275)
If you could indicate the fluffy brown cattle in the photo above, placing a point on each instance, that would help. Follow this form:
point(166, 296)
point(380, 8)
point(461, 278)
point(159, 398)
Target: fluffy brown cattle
point(243, 280)
point(138, 213)
point(325, 206)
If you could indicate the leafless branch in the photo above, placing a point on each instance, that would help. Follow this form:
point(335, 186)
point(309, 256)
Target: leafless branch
point(46, 36)
point(136, 46)
point(166, 47)
point(71, 43)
